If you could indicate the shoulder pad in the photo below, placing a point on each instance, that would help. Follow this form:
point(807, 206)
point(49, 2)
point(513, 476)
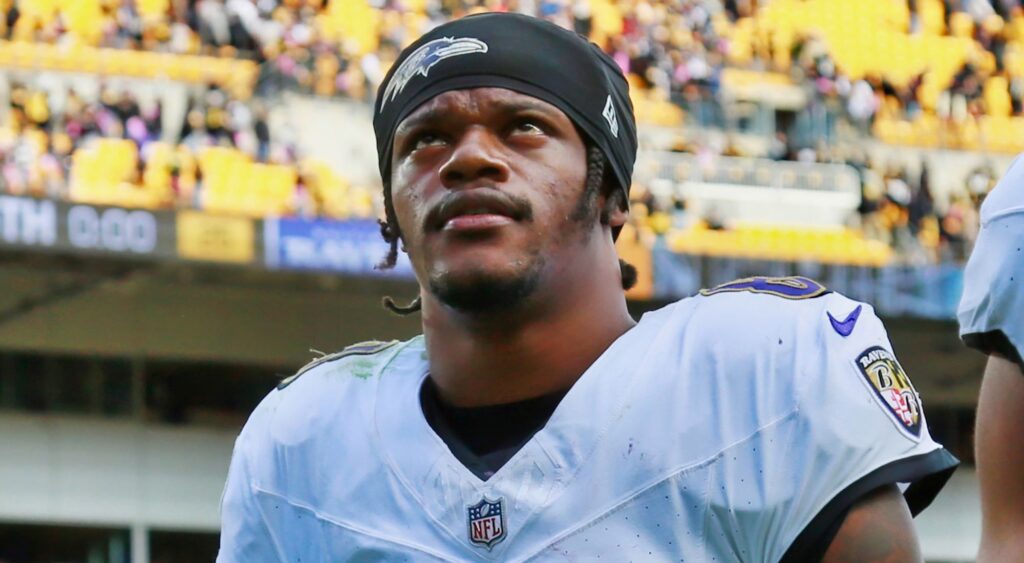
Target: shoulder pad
point(367, 348)
point(794, 287)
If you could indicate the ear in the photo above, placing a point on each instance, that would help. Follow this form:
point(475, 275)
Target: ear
point(617, 215)
point(613, 209)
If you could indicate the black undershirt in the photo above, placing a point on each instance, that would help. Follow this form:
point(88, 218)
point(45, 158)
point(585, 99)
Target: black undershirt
point(994, 342)
point(484, 438)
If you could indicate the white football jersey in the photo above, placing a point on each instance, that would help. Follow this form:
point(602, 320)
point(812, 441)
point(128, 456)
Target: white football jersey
point(991, 309)
point(733, 426)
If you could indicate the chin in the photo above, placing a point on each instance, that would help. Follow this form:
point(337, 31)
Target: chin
point(481, 290)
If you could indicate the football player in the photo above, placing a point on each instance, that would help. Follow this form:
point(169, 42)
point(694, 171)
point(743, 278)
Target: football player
point(764, 420)
point(992, 320)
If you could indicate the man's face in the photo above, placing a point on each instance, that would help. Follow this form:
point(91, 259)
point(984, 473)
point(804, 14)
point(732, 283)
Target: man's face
point(486, 184)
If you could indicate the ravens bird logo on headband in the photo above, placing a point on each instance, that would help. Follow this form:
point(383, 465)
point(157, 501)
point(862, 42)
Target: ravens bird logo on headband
point(421, 61)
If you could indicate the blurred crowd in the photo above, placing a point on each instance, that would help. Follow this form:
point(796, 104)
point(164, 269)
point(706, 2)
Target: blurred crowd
point(40, 135)
point(864, 100)
point(312, 44)
point(673, 50)
point(897, 207)
point(677, 49)
point(674, 46)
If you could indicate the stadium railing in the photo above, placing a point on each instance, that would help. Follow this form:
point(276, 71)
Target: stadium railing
point(746, 171)
point(238, 76)
point(756, 208)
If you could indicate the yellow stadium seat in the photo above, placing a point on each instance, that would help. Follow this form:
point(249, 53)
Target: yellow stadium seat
point(961, 24)
point(829, 245)
point(997, 96)
point(969, 135)
point(98, 170)
point(153, 8)
point(356, 20)
point(926, 130)
point(869, 36)
point(83, 19)
point(607, 20)
point(933, 16)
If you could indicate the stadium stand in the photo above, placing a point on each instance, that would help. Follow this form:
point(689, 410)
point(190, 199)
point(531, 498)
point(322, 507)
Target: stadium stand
point(792, 244)
point(238, 76)
point(924, 73)
point(113, 150)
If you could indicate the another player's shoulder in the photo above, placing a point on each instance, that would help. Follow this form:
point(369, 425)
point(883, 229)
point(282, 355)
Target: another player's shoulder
point(1007, 198)
point(993, 290)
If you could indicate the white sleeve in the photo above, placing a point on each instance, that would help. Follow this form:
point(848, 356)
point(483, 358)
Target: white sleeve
point(260, 521)
point(859, 426)
point(991, 311)
point(249, 532)
point(244, 535)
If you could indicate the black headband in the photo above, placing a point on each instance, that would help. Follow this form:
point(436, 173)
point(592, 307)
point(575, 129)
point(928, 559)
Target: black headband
point(520, 53)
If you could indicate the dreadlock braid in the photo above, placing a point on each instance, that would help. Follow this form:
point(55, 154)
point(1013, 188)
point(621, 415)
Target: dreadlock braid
point(389, 231)
point(592, 187)
point(595, 183)
point(596, 166)
point(392, 235)
point(401, 310)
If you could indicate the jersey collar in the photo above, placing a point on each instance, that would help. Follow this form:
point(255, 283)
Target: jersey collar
point(534, 476)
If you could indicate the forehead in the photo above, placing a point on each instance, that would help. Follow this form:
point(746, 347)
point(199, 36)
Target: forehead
point(478, 102)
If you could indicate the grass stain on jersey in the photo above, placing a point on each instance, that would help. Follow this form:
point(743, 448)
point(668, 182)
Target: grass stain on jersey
point(363, 369)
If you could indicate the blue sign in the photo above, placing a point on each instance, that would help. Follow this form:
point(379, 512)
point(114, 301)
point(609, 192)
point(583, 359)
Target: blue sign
point(349, 247)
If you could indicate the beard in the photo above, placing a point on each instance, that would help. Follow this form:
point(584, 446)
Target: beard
point(482, 291)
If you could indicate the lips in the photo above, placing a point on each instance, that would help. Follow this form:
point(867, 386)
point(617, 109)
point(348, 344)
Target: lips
point(480, 208)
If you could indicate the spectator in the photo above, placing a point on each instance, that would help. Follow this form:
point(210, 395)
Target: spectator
point(214, 25)
point(922, 203)
point(862, 105)
point(262, 130)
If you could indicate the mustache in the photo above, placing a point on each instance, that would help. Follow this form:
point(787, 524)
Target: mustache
point(489, 198)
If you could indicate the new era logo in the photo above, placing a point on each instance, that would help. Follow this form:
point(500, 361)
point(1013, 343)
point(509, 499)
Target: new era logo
point(610, 117)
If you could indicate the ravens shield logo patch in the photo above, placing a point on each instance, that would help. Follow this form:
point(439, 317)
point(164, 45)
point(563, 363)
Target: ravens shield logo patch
point(889, 383)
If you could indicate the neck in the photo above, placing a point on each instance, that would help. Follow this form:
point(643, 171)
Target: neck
point(541, 347)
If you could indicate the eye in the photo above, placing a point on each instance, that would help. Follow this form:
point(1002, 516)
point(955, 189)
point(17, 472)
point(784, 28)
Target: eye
point(527, 127)
point(424, 140)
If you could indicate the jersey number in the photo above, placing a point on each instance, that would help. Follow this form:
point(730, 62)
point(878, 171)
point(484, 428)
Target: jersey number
point(796, 287)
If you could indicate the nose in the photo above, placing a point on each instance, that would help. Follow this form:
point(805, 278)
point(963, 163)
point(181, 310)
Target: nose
point(475, 157)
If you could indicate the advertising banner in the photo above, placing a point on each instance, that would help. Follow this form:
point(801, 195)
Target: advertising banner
point(350, 247)
point(82, 228)
point(216, 239)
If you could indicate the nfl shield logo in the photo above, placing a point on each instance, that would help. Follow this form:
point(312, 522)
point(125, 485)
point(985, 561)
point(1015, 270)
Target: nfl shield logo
point(487, 522)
